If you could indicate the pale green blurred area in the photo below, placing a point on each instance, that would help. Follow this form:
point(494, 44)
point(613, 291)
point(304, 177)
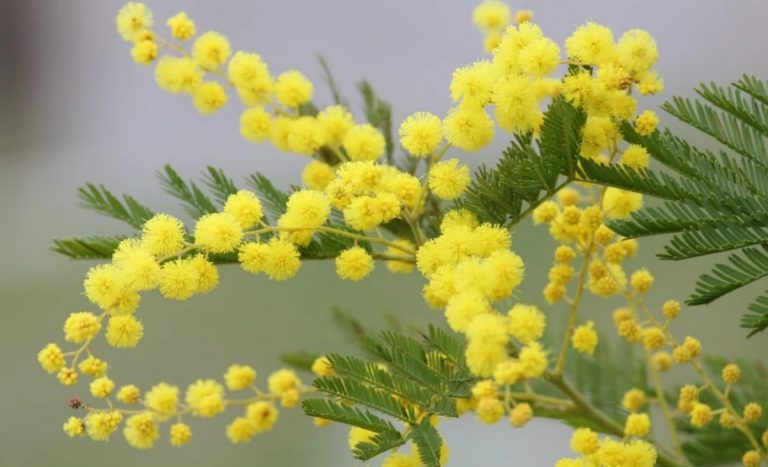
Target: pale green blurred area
point(75, 109)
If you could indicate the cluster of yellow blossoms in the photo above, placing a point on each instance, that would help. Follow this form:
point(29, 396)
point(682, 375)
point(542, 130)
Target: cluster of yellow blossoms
point(469, 266)
point(582, 236)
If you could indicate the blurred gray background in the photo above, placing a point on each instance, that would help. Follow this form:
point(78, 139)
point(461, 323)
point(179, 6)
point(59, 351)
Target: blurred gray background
point(74, 108)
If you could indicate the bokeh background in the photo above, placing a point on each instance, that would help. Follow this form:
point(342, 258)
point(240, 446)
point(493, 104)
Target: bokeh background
point(74, 108)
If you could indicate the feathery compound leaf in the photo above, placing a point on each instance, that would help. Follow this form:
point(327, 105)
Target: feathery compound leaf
point(355, 391)
point(373, 375)
point(87, 247)
point(716, 202)
point(524, 177)
point(428, 442)
point(101, 200)
point(195, 202)
point(743, 268)
point(379, 443)
point(713, 239)
point(450, 345)
point(331, 410)
point(405, 363)
point(379, 114)
point(300, 360)
point(672, 217)
point(338, 99)
point(757, 320)
point(220, 185)
point(272, 199)
point(561, 136)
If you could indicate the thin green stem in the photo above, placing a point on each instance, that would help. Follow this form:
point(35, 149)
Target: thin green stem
point(331, 230)
point(537, 203)
point(573, 314)
point(584, 408)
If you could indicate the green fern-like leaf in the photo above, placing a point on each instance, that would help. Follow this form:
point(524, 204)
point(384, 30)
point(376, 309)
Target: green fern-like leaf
point(409, 365)
point(219, 183)
point(743, 268)
point(379, 114)
point(428, 442)
point(719, 202)
point(378, 444)
point(195, 202)
point(525, 176)
point(87, 247)
point(348, 415)
point(372, 375)
point(757, 319)
point(103, 201)
point(355, 391)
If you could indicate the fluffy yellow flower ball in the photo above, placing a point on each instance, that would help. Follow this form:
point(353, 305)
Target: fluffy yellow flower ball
point(177, 74)
point(637, 424)
point(635, 156)
point(731, 373)
point(101, 387)
point(251, 78)
point(74, 427)
point(211, 50)
point(209, 97)
point(317, 175)
point(263, 415)
point(322, 366)
point(473, 84)
point(468, 127)
point(489, 410)
point(354, 264)
point(239, 377)
point(364, 143)
point(180, 433)
point(533, 359)
point(51, 358)
point(421, 134)
point(282, 381)
point(292, 89)
point(585, 338)
point(700, 415)
point(218, 232)
point(245, 207)
point(132, 20)
point(124, 331)
point(336, 121)
point(619, 204)
point(128, 394)
point(255, 124)
point(100, 425)
point(205, 397)
point(144, 52)
point(585, 441)
point(162, 235)
point(526, 323)
point(241, 430)
point(491, 16)
point(163, 399)
point(141, 430)
point(520, 415)
point(93, 366)
point(592, 44)
point(181, 26)
point(449, 179)
point(81, 326)
point(646, 122)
